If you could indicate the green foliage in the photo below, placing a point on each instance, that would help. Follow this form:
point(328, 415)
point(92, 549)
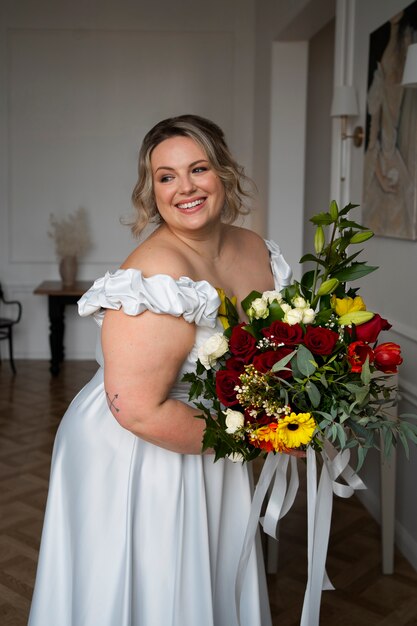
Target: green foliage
point(332, 261)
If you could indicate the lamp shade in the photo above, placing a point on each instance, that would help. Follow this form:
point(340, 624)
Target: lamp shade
point(410, 68)
point(344, 101)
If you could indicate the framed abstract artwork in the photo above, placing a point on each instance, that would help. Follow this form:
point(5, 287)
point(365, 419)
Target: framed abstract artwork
point(389, 203)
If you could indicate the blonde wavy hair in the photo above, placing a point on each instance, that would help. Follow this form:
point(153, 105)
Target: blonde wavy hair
point(211, 139)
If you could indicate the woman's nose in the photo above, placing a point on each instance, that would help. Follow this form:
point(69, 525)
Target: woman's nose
point(186, 184)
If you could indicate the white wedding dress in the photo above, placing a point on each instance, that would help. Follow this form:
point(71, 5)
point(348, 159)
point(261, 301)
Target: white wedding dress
point(135, 535)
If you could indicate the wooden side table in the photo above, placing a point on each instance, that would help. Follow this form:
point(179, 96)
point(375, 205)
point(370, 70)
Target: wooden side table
point(58, 298)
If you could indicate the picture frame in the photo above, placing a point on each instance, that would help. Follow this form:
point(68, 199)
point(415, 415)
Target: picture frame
point(389, 202)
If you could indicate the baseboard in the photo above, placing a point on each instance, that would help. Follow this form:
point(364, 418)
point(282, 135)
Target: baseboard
point(46, 356)
point(405, 543)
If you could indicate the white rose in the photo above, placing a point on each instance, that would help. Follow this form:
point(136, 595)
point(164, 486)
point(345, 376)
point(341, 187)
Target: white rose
point(235, 457)
point(285, 307)
point(293, 316)
point(308, 316)
point(270, 296)
point(259, 309)
point(234, 421)
point(212, 349)
point(299, 302)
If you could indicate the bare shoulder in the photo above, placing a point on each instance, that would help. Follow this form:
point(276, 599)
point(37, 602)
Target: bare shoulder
point(251, 242)
point(158, 255)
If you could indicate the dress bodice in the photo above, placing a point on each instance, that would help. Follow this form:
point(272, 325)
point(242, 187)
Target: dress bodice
point(196, 301)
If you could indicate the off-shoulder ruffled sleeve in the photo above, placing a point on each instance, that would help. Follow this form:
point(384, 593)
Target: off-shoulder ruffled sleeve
point(196, 301)
point(281, 270)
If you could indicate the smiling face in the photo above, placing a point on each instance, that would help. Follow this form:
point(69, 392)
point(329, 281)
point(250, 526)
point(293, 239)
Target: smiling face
point(188, 192)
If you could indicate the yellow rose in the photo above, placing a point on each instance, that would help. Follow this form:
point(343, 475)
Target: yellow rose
point(347, 305)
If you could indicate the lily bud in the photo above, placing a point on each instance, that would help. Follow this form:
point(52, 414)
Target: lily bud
point(319, 240)
point(334, 211)
point(362, 236)
point(355, 317)
point(327, 287)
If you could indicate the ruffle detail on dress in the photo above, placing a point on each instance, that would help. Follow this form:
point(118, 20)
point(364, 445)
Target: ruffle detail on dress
point(281, 270)
point(195, 301)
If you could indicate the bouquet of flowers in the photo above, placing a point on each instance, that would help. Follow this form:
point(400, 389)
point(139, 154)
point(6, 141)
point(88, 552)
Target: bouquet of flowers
point(307, 367)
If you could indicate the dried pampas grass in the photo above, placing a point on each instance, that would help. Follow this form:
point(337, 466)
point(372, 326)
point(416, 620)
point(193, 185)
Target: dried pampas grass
point(70, 234)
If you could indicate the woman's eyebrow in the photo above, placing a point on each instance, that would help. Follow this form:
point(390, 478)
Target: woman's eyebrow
point(166, 167)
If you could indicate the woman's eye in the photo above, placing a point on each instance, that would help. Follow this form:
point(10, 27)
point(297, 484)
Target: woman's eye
point(166, 178)
point(200, 168)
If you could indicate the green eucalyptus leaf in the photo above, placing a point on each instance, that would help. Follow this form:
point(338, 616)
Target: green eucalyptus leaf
point(361, 457)
point(341, 435)
point(305, 361)
point(366, 372)
point(313, 394)
point(280, 365)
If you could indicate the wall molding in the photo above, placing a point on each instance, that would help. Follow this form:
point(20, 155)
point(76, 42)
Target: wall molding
point(404, 330)
point(408, 392)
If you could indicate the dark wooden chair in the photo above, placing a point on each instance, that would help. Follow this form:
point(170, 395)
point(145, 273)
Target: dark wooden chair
point(7, 323)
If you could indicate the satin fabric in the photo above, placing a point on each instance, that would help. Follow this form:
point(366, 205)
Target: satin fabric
point(135, 535)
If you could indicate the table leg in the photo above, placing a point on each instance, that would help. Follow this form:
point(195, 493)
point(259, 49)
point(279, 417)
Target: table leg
point(56, 307)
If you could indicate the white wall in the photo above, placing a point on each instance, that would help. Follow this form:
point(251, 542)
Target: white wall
point(80, 84)
point(318, 127)
point(391, 291)
point(287, 150)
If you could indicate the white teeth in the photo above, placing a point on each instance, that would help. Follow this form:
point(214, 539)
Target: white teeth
point(190, 205)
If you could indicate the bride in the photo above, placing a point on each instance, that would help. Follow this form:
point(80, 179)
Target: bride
point(141, 528)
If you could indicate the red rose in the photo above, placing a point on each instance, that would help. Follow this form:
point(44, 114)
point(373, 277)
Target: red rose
point(370, 330)
point(387, 357)
point(320, 340)
point(226, 381)
point(242, 344)
point(357, 353)
point(263, 362)
point(234, 364)
point(281, 332)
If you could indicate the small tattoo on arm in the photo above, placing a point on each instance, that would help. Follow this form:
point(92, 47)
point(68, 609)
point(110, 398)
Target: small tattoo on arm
point(112, 403)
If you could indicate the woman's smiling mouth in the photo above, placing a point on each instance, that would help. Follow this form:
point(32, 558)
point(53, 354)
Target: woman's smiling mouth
point(191, 205)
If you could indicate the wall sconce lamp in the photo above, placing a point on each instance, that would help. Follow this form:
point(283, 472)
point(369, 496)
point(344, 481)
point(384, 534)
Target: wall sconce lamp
point(410, 67)
point(345, 105)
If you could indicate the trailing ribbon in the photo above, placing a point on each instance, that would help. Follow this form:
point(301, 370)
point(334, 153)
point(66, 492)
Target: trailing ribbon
point(319, 510)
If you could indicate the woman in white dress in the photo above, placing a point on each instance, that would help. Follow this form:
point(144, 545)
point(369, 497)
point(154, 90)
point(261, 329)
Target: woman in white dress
point(141, 528)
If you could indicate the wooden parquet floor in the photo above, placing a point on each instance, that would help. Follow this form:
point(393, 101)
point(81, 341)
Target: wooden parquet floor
point(31, 405)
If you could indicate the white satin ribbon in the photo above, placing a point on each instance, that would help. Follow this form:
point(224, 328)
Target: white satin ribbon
point(319, 507)
point(281, 499)
point(319, 511)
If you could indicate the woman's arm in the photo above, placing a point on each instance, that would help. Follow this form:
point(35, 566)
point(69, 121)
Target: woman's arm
point(142, 357)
